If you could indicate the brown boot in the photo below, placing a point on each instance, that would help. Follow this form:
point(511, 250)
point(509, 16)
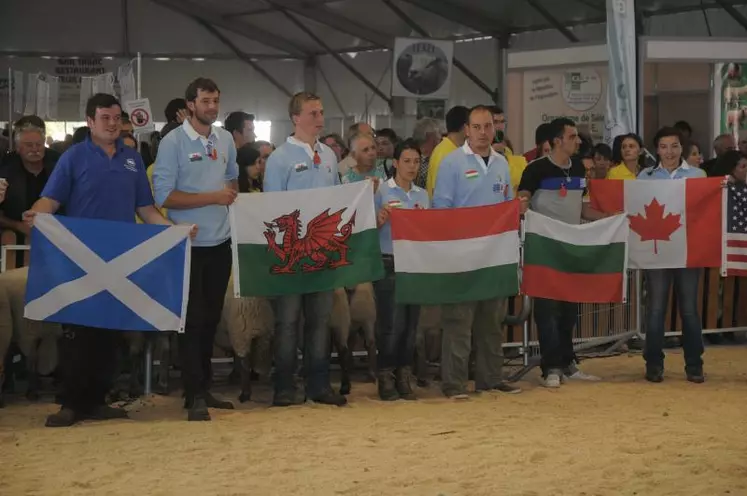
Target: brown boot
point(387, 386)
point(404, 386)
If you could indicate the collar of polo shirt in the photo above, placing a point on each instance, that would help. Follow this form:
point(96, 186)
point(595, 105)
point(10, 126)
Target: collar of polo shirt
point(469, 151)
point(194, 135)
point(310, 151)
point(391, 183)
point(683, 165)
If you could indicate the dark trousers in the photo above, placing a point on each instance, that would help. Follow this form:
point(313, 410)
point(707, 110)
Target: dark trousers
point(209, 272)
point(395, 324)
point(88, 361)
point(555, 322)
point(686, 288)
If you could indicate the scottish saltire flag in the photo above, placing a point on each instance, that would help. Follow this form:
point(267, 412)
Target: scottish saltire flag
point(111, 275)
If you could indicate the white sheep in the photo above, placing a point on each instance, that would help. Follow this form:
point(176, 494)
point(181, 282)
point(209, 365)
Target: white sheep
point(246, 327)
point(36, 340)
point(363, 317)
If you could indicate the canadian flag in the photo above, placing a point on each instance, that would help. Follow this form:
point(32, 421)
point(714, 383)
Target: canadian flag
point(673, 224)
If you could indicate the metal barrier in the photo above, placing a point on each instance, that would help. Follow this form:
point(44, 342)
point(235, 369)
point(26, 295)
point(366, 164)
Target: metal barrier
point(5, 250)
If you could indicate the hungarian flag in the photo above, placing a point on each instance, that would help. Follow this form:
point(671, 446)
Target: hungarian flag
point(305, 241)
point(456, 255)
point(584, 263)
point(673, 224)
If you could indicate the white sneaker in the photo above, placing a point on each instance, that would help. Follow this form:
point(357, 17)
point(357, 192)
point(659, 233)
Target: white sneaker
point(552, 380)
point(576, 374)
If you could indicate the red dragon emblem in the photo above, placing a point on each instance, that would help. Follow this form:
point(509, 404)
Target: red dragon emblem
point(323, 239)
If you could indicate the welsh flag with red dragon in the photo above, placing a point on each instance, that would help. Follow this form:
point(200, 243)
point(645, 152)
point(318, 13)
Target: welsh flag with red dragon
point(306, 241)
point(673, 224)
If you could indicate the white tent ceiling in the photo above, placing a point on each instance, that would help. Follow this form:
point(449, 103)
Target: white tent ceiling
point(267, 29)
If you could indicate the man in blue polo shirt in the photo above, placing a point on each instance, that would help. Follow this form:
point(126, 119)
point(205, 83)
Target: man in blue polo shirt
point(195, 177)
point(302, 162)
point(100, 178)
point(471, 176)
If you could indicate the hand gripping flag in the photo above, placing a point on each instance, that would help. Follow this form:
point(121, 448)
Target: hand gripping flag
point(110, 275)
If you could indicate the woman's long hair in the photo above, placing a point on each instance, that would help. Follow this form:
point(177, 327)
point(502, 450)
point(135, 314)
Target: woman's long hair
point(247, 156)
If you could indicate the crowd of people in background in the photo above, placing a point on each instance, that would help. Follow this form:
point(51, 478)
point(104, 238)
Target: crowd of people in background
point(435, 167)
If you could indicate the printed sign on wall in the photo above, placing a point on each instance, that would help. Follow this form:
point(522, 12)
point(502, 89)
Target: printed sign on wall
point(422, 68)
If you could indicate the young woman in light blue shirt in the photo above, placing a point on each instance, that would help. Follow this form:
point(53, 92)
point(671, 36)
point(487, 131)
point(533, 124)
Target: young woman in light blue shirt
point(396, 324)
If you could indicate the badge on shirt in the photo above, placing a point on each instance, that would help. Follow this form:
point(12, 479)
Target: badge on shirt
point(195, 157)
point(394, 203)
point(471, 174)
point(130, 165)
point(300, 167)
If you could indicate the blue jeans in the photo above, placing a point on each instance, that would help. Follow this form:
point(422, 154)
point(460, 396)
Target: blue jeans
point(395, 324)
point(686, 290)
point(316, 308)
point(555, 323)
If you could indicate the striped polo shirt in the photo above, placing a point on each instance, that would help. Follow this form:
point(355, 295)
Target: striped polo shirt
point(557, 191)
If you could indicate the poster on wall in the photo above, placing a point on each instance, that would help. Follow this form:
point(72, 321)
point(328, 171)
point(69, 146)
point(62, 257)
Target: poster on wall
point(435, 109)
point(733, 94)
point(578, 93)
point(422, 68)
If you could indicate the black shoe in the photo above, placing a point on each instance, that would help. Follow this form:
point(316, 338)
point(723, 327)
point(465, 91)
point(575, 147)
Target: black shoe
point(506, 388)
point(329, 397)
point(654, 374)
point(404, 386)
point(213, 402)
point(695, 375)
point(387, 386)
point(105, 412)
point(284, 398)
point(64, 418)
point(198, 411)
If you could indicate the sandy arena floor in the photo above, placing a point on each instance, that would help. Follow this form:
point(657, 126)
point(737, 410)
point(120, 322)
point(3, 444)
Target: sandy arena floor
point(620, 437)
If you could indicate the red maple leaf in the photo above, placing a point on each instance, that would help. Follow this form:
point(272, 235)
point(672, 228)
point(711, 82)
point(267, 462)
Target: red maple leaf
point(655, 226)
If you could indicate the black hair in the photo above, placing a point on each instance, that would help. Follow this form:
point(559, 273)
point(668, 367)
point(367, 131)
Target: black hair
point(726, 163)
point(479, 108)
point(388, 133)
point(495, 109)
point(173, 107)
point(33, 120)
point(667, 132)
point(617, 146)
point(80, 134)
point(235, 121)
point(198, 84)
point(246, 156)
point(100, 100)
point(603, 150)
point(585, 149)
point(542, 134)
point(684, 127)
point(456, 118)
point(408, 144)
point(556, 129)
point(125, 117)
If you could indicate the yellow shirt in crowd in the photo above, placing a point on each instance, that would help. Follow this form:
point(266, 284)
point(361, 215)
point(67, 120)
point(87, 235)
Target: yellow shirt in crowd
point(442, 149)
point(620, 171)
point(516, 166)
point(149, 173)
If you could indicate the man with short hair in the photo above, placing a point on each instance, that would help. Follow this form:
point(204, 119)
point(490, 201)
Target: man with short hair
point(301, 163)
point(241, 126)
point(555, 186)
point(541, 143)
point(364, 151)
point(456, 123)
point(26, 172)
point(471, 176)
point(100, 178)
point(195, 178)
point(722, 144)
point(427, 133)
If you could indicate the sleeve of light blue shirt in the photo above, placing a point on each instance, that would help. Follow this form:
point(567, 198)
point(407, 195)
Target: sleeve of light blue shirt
point(232, 168)
point(60, 182)
point(510, 195)
point(276, 173)
point(165, 169)
point(443, 193)
point(144, 196)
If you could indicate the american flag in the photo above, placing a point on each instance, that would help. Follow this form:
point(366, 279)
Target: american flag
point(735, 257)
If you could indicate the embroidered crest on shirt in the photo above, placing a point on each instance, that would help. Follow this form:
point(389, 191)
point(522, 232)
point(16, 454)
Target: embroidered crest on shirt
point(300, 167)
point(195, 157)
point(130, 165)
point(471, 174)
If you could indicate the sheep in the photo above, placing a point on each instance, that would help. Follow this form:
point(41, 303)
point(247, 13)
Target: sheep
point(363, 317)
point(339, 325)
point(246, 327)
point(36, 340)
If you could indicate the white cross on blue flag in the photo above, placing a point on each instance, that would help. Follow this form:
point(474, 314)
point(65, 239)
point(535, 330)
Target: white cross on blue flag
point(110, 275)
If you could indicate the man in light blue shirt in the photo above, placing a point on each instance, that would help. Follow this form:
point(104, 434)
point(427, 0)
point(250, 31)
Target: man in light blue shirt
point(302, 162)
point(470, 176)
point(195, 178)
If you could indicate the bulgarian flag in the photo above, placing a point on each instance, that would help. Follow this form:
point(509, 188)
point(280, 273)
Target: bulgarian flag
point(456, 255)
point(673, 223)
point(304, 241)
point(584, 263)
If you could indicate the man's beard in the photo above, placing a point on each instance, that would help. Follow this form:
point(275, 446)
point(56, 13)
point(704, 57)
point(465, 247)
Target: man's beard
point(203, 119)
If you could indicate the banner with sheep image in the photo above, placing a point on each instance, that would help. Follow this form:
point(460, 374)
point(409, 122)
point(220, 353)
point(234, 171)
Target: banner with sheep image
point(306, 241)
